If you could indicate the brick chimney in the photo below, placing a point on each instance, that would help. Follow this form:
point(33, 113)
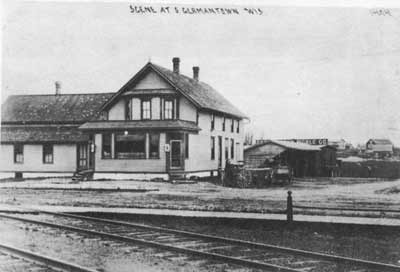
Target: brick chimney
point(196, 70)
point(58, 87)
point(175, 62)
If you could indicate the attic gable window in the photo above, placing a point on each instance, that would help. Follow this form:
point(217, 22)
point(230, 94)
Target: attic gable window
point(232, 125)
point(146, 109)
point(168, 109)
point(223, 124)
point(212, 121)
point(237, 127)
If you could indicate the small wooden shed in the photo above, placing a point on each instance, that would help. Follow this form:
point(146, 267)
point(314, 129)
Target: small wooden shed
point(303, 159)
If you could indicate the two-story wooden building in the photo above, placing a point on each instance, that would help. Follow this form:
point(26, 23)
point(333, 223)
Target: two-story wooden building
point(159, 124)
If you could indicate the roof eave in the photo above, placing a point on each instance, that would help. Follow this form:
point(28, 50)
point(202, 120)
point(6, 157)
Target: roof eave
point(135, 77)
point(160, 73)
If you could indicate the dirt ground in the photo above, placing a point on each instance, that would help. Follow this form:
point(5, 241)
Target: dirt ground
point(206, 196)
point(380, 244)
point(100, 254)
point(370, 243)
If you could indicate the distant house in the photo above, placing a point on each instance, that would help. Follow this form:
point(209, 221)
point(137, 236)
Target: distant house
point(159, 124)
point(380, 147)
point(304, 159)
point(339, 144)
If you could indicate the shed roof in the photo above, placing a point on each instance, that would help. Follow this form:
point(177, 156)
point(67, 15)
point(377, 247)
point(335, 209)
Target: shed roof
point(141, 124)
point(288, 145)
point(380, 141)
point(63, 108)
point(41, 134)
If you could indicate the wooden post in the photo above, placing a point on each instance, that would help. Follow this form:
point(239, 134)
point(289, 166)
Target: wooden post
point(289, 208)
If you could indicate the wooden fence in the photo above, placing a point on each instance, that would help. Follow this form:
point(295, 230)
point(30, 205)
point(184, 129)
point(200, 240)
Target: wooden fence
point(290, 208)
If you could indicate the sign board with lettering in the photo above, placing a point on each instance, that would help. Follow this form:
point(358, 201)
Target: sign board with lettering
point(311, 141)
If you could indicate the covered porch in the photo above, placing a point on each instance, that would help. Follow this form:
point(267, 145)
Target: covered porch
point(140, 147)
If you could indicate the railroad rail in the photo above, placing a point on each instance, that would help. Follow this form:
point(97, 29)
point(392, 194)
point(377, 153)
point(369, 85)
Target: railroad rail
point(16, 259)
point(231, 251)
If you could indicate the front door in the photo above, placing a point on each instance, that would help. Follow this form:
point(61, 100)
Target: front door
point(176, 154)
point(82, 156)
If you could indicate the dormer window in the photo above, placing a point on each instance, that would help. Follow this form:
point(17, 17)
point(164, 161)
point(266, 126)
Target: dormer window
point(146, 109)
point(168, 109)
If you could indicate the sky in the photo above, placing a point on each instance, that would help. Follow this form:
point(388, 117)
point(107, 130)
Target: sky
point(297, 72)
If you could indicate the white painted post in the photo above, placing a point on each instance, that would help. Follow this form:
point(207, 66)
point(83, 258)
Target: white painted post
point(147, 146)
point(112, 145)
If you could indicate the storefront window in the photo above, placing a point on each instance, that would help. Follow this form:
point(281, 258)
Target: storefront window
point(154, 146)
point(130, 146)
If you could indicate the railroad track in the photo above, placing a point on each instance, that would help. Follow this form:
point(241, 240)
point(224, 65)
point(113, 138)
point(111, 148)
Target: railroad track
point(220, 249)
point(14, 259)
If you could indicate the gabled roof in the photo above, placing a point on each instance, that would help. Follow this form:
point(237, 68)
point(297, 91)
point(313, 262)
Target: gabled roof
point(199, 93)
point(380, 141)
point(141, 124)
point(62, 108)
point(42, 134)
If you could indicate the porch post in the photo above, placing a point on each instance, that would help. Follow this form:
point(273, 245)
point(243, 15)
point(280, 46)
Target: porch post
point(147, 145)
point(112, 145)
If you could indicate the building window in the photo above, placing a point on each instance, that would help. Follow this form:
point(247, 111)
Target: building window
point(226, 148)
point(146, 109)
point(168, 109)
point(232, 148)
point(18, 153)
point(128, 109)
point(130, 146)
point(232, 125)
point(106, 146)
point(237, 126)
point(197, 117)
point(212, 121)
point(187, 145)
point(238, 151)
point(212, 148)
point(154, 146)
point(223, 124)
point(48, 153)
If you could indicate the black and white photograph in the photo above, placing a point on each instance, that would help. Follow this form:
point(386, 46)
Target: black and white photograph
point(200, 136)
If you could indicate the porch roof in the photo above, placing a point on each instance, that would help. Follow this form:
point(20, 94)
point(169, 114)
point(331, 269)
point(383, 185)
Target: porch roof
point(42, 134)
point(141, 125)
